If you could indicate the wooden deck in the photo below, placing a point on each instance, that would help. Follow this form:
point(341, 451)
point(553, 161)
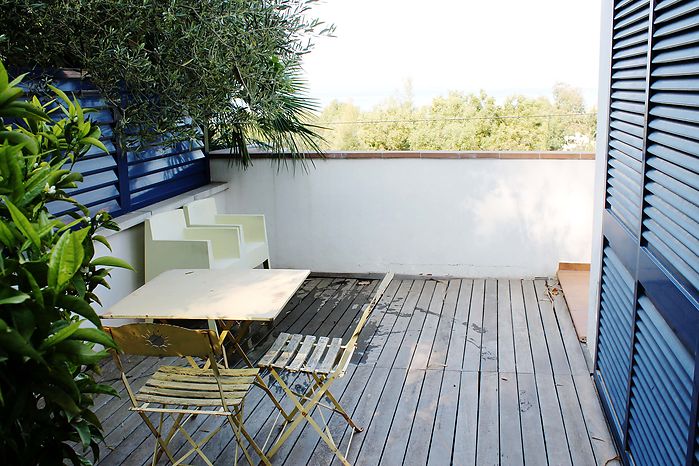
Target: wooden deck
point(455, 371)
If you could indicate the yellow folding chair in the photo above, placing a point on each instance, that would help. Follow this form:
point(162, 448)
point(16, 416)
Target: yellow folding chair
point(322, 360)
point(185, 392)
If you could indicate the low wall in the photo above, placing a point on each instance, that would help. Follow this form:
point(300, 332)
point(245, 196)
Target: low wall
point(466, 215)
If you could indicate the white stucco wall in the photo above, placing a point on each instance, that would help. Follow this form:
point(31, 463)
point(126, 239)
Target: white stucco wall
point(600, 169)
point(469, 218)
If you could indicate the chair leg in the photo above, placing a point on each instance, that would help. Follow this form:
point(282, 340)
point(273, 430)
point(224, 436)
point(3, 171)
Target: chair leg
point(338, 407)
point(158, 436)
point(238, 427)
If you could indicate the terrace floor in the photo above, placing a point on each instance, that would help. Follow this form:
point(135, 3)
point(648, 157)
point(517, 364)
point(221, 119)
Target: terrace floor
point(454, 371)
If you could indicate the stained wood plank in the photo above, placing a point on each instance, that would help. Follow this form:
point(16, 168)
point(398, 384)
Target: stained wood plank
point(392, 345)
point(601, 439)
point(474, 337)
point(318, 352)
point(489, 343)
point(459, 330)
point(537, 339)
point(301, 357)
point(530, 417)
point(289, 351)
point(554, 431)
point(372, 324)
point(423, 422)
point(405, 352)
point(488, 447)
point(557, 352)
point(523, 351)
point(506, 348)
point(467, 418)
point(445, 420)
point(574, 351)
point(576, 432)
point(373, 439)
point(390, 315)
point(398, 435)
point(511, 452)
point(274, 350)
point(427, 335)
point(330, 356)
point(442, 339)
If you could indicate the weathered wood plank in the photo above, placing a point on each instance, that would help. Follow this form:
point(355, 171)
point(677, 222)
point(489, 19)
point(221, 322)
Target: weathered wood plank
point(537, 339)
point(445, 420)
point(274, 350)
point(511, 452)
point(557, 352)
point(390, 349)
point(474, 338)
point(423, 422)
point(602, 442)
point(459, 330)
point(425, 341)
point(467, 419)
point(523, 351)
point(506, 348)
point(489, 344)
point(530, 416)
point(364, 412)
point(405, 352)
point(488, 447)
point(576, 432)
point(576, 359)
point(372, 324)
point(554, 431)
point(373, 439)
point(373, 351)
point(442, 339)
point(397, 439)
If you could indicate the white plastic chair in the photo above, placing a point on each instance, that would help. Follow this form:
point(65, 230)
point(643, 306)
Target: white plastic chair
point(171, 244)
point(254, 246)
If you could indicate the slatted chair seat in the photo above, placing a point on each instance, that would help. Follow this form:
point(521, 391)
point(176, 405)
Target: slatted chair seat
point(187, 386)
point(303, 353)
point(322, 360)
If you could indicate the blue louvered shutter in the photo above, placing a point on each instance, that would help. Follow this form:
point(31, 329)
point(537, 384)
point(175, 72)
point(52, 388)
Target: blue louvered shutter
point(648, 331)
point(120, 183)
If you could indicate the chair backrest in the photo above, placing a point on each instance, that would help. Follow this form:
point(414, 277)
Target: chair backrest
point(201, 212)
point(150, 339)
point(168, 225)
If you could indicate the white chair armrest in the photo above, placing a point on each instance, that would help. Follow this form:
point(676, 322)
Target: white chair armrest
point(225, 241)
point(253, 225)
point(162, 255)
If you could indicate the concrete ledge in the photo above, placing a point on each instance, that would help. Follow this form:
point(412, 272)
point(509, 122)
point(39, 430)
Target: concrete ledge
point(451, 155)
point(137, 217)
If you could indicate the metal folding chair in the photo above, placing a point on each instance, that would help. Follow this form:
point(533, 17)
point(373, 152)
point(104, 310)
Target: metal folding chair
point(322, 360)
point(184, 392)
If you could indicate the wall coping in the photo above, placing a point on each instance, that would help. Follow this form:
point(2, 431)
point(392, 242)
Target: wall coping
point(451, 155)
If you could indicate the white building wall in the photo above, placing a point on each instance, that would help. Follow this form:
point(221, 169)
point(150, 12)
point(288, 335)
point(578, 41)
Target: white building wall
point(469, 218)
point(600, 169)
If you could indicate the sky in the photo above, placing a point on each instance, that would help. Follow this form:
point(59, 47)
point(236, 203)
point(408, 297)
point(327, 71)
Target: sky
point(501, 46)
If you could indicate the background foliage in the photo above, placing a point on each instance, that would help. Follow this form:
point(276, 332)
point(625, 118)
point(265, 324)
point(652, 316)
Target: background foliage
point(460, 121)
point(48, 278)
point(229, 66)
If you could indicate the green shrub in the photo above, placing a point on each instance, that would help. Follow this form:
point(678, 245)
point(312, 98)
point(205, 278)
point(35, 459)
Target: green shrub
point(48, 276)
point(232, 67)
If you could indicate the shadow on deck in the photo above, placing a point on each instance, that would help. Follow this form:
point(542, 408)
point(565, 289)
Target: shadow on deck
point(454, 371)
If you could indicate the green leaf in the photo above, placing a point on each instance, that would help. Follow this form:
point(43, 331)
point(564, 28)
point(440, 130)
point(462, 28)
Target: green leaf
point(79, 306)
point(102, 389)
point(36, 291)
point(66, 258)
point(81, 352)
point(59, 336)
point(22, 223)
point(95, 142)
point(94, 335)
point(13, 342)
point(6, 236)
point(109, 261)
point(65, 401)
point(103, 240)
point(11, 296)
point(83, 430)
